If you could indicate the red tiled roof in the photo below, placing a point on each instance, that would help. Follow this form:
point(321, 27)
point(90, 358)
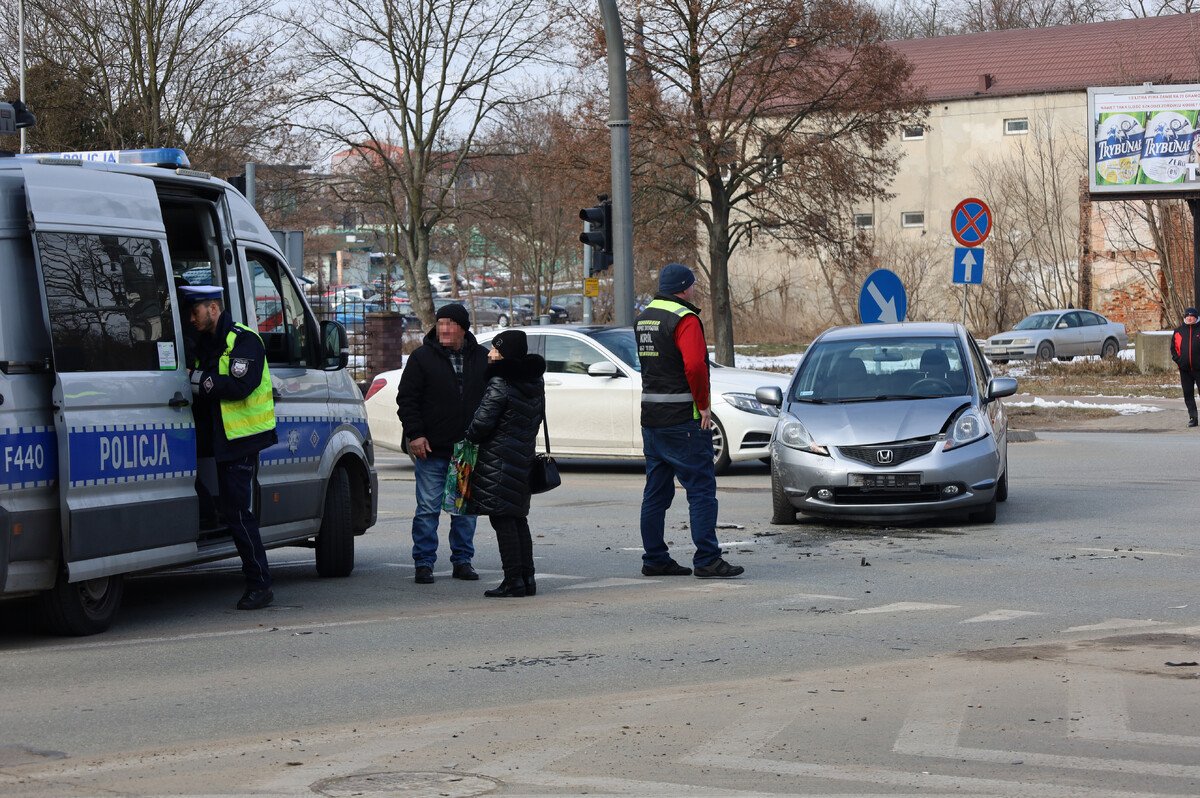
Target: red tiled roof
point(1124, 52)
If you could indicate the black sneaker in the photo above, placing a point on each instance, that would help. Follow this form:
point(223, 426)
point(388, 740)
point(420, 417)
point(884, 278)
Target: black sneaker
point(463, 570)
point(719, 569)
point(256, 599)
point(1191, 422)
point(424, 575)
point(669, 568)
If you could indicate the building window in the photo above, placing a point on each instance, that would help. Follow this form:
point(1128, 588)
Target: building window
point(864, 221)
point(912, 133)
point(1016, 127)
point(912, 219)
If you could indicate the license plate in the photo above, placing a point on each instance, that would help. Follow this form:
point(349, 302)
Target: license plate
point(886, 481)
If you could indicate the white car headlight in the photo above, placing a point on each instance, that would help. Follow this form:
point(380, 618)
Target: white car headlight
point(748, 403)
point(1022, 341)
point(791, 433)
point(966, 428)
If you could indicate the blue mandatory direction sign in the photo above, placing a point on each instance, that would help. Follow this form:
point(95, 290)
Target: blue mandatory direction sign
point(882, 299)
point(968, 265)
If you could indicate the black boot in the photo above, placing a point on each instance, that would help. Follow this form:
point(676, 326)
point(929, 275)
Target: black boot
point(511, 587)
point(530, 583)
point(1192, 421)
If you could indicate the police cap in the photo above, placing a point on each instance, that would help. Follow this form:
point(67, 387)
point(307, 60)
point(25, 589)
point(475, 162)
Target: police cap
point(190, 294)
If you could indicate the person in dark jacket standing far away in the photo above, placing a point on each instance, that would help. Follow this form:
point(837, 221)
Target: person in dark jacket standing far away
point(505, 427)
point(440, 387)
point(235, 407)
point(1185, 351)
point(677, 427)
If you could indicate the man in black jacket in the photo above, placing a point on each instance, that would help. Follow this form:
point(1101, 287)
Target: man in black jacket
point(1185, 351)
point(440, 389)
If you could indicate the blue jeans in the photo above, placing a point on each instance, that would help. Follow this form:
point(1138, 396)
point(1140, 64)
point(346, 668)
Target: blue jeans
point(684, 451)
point(431, 481)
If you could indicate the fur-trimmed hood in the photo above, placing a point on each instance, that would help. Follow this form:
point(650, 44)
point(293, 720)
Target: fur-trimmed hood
point(524, 374)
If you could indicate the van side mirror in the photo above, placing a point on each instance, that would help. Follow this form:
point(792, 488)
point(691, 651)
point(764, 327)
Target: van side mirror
point(335, 346)
point(769, 395)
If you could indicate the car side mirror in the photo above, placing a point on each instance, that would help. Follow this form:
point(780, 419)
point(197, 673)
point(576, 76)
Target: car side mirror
point(1062, 325)
point(769, 395)
point(604, 368)
point(999, 387)
point(335, 346)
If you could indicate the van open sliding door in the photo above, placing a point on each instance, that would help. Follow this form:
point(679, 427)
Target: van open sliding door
point(122, 400)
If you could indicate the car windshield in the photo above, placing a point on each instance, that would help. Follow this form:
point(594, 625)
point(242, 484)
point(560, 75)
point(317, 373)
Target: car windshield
point(620, 342)
point(1038, 321)
point(881, 369)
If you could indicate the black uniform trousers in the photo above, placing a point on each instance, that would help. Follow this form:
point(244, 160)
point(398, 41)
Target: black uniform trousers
point(515, 544)
point(235, 502)
point(1188, 380)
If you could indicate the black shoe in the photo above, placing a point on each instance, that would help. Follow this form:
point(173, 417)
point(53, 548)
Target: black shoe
point(424, 575)
point(1192, 421)
point(719, 569)
point(256, 599)
point(463, 570)
point(511, 587)
point(530, 584)
point(669, 568)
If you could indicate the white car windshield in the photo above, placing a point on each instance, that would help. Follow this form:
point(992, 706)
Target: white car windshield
point(1038, 321)
point(881, 369)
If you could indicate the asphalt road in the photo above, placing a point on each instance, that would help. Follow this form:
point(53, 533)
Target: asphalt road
point(1024, 658)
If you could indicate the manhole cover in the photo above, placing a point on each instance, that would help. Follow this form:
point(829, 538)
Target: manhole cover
point(409, 785)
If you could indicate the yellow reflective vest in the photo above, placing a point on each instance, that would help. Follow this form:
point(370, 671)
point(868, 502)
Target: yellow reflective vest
point(254, 414)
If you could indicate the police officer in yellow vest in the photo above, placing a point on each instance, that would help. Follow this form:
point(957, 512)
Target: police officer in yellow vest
point(236, 415)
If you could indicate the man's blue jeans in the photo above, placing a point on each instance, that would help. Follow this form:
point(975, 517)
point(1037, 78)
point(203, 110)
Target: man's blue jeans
point(431, 481)
point(684, 451)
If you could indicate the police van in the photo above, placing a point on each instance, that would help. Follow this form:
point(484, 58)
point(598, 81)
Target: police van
point(98, 460)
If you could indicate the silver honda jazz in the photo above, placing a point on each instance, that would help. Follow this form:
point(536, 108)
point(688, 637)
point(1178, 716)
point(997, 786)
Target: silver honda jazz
point(890, 422)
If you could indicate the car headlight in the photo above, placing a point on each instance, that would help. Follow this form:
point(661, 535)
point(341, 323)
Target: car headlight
point(791, 433)
point(1022, 341)
point(966, 428)
point(748, 403)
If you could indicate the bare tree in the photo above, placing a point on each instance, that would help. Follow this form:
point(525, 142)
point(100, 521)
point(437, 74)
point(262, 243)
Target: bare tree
point(1154, 240)
point(773, 108)
point(410, 83)
point(208, 75)
point(920, 19)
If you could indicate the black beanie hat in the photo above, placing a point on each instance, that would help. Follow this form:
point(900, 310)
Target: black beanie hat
point(511, 344)
point(675, 278)
point(456, 313)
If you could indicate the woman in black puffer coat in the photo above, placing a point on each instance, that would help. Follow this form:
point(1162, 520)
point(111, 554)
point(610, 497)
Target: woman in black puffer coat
point(505, 427)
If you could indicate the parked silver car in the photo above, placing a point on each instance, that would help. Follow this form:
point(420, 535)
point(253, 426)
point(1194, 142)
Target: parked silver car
point(1061, 334)
point(890, 421)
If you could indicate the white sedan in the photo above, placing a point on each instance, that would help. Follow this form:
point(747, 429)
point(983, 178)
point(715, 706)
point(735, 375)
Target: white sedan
point(593, 398)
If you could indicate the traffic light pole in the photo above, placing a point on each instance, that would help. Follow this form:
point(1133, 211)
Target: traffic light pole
point(618, 126)
point(587, 272)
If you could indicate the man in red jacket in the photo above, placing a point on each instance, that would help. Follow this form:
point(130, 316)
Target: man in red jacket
point(1185, 351)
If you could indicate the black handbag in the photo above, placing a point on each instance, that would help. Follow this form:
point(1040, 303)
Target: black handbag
point(543, 471)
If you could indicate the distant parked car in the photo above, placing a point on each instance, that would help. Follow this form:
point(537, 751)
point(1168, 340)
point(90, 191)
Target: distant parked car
point(571, 303)
point(557, 313)
point(1062, 334)
point(495, 310)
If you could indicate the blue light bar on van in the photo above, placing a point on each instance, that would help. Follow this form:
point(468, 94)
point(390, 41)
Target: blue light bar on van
point(162, 156)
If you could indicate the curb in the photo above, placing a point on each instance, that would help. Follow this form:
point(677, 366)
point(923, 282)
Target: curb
point(1021, 435)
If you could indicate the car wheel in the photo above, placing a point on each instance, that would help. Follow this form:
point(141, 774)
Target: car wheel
point(1109, 350)
point(335, 541)
point(81, 608)
point(502, 321)
point(1002, 487)
point(782, 511)
point(720, 447)
point(1045, 351)
point(986, 514)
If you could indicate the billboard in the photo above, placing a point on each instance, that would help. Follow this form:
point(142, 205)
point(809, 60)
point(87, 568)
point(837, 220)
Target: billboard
point(1144, 141)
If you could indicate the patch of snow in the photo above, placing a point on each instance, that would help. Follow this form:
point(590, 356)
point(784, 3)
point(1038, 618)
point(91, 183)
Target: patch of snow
point(758, 362)
point(1119, 409)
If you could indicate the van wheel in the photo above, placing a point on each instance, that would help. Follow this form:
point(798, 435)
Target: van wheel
point(335, 541)
point(81, 608)
point(720, 447)
point(782, 511)
point(986, 514)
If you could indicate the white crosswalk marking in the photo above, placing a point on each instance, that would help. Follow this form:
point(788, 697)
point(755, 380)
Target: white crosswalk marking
point(1115, 624)
point(903, 606)
point(613, 582)
point(1098, 712)
point(1000, 615)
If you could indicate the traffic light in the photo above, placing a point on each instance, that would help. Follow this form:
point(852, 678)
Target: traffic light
point(599, 235)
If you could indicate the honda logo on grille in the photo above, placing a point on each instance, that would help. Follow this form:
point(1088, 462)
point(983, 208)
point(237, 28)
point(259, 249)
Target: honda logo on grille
point(884, 456)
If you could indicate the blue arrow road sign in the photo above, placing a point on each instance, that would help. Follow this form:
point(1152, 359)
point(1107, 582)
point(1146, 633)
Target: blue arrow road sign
point(968, 265)
point(882, 298)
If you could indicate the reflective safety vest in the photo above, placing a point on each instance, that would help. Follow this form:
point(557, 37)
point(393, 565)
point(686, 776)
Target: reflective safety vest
point(254, 414)
point(666, 396)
